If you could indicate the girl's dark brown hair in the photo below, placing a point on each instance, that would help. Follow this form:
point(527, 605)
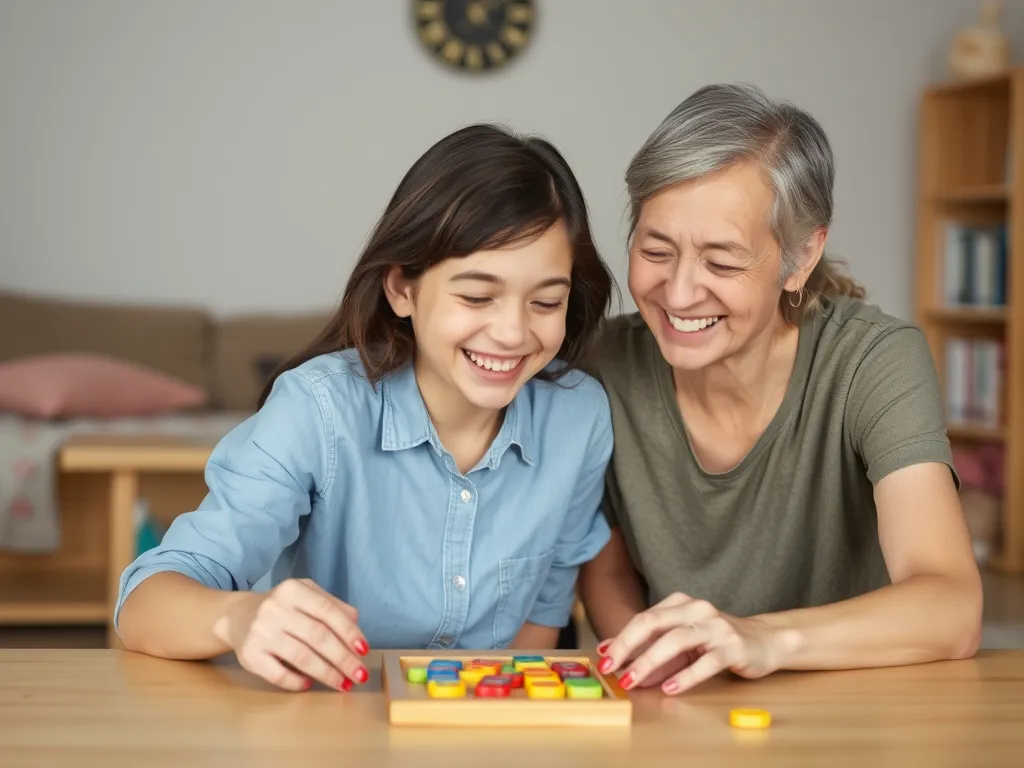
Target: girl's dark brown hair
point(481, 187)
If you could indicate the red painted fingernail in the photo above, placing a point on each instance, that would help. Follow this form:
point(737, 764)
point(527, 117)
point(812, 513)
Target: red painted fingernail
point(626, 680)
point(361, 647)
point(603, 647)
point(605, 665)
point(670, 687)
point(362, 675)
point(346, 684)
point(308, 685)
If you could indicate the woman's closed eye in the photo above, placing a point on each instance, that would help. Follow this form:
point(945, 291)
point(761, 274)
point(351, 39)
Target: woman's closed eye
point(656, 255)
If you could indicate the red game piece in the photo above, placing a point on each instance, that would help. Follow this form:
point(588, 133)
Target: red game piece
point(567, 674)
point(495, 686)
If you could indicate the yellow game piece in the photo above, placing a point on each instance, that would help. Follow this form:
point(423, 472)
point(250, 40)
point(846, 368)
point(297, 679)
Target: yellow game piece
point(524, 665)
point(446, 689)
point(545, 689)
point(473, 675)
point(750, 718)
point(540, 674)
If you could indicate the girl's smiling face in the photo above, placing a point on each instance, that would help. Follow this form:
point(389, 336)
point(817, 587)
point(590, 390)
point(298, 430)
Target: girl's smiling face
point(488, 322)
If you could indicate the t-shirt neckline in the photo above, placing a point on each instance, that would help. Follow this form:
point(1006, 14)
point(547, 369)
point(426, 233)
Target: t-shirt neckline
point(794, 391)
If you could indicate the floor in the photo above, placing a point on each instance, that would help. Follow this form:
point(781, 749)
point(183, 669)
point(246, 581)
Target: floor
point(1003, 625)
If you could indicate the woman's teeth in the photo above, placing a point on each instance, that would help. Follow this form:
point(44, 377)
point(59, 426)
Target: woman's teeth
point(692, 325)
point(493, 364)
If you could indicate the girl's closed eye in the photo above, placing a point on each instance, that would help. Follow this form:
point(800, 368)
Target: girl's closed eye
point(549, 305)
point(475, 300)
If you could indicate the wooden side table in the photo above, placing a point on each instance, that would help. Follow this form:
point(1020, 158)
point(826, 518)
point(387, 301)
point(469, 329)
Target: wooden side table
point(101, 478)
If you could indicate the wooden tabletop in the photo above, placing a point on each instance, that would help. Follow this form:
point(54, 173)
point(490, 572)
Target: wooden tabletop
point(146, 452)
point(106, 707)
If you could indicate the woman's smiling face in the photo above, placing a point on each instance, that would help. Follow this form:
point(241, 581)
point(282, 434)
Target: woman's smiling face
point(704, 266)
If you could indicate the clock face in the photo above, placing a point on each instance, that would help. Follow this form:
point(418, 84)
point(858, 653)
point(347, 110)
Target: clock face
point(474, 35)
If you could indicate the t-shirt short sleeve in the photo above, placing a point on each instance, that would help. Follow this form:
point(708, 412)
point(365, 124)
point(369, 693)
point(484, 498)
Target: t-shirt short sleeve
point(895, 408)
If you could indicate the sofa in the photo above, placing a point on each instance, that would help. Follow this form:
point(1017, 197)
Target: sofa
point(229, 357)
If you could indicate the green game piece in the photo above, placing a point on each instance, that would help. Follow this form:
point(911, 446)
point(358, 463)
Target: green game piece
point(508, 669)
point(416, 675)
point(583, 688)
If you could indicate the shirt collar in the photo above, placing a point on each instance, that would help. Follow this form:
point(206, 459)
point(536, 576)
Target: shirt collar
point(407, 423)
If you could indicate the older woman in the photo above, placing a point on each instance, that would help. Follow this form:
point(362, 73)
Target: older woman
point(782, 491)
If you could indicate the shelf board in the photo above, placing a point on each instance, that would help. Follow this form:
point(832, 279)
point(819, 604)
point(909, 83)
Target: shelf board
point(1000, 80)
point(977, 432)
point(972, 315)
point(975, 193)
point(39, 597)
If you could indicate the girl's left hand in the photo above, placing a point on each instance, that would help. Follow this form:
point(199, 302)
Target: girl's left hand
point(681, 642)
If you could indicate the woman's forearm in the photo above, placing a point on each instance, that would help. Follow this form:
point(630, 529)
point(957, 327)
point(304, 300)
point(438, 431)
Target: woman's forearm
point(925, 618)
point(610, 599)
point(173, 616)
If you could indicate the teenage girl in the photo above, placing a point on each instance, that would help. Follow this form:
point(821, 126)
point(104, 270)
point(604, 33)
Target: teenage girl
point(429, 472)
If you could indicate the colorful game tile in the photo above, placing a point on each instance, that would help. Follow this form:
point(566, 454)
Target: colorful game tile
point(516, 678)
point(442, 675)
point(536, 673)
point(583, 688)
point(546, 689)
point(529, 662)
point(446, 689)
point(473, 675)
point(569, 674)
point(416, 674)
point(496, 686)
point(445, 664)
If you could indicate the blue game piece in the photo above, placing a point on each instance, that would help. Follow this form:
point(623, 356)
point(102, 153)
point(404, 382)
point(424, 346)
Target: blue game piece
point(443, 675)
point(444, 664)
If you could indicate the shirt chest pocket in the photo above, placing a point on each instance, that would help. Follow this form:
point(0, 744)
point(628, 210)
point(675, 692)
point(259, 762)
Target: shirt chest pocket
point(520, 580)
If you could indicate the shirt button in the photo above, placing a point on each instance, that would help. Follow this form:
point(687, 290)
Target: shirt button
point(459, 582)
point(466, 495)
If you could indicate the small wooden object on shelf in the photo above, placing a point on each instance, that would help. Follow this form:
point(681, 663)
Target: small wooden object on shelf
point(969, 289)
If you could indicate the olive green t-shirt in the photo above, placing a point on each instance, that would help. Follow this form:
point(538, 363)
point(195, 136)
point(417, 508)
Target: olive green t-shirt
point(794, 523)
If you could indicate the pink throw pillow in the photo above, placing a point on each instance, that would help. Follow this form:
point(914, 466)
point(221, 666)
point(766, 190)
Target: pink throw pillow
point(90, 385)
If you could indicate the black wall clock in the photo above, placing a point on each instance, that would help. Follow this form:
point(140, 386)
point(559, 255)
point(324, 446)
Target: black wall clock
point(474, 35)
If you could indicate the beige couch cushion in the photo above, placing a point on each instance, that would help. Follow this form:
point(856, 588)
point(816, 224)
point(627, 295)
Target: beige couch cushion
point(175, 341)
point(248, 348)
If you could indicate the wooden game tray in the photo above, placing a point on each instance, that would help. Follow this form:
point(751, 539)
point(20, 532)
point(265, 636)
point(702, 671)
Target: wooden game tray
point(410, 704)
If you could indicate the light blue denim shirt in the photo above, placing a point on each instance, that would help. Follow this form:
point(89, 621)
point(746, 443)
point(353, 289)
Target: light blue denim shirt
point(349, 486)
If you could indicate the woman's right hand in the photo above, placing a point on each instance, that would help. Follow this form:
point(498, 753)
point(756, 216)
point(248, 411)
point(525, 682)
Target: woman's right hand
point(294, 634)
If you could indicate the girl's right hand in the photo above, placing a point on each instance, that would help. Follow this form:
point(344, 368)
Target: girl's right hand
point(294, 634)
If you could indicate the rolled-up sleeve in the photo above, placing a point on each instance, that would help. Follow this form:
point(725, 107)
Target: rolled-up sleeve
point(262, 478)
point(586, 530)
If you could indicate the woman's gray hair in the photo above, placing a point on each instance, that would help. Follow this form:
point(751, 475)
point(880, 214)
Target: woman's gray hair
point(721, 125)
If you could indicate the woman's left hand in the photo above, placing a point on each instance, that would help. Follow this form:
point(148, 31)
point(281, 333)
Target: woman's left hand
point(681, 642)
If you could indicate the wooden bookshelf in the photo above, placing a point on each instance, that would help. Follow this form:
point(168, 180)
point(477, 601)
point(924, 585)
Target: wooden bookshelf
point(970, 191)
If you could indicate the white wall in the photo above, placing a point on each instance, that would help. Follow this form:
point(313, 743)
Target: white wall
point(235, 153)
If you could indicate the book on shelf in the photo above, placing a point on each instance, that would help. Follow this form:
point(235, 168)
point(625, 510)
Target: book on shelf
point(974, 382)
point(975, 260)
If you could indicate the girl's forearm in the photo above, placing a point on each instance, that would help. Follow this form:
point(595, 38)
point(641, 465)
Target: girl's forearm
point(173, 616)
point(925, 618)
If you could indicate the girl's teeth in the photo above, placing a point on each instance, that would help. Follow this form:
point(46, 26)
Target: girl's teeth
point(692, 325)
point(494, 365)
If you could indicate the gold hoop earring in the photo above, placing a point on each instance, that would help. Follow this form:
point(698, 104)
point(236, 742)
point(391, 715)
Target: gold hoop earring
point(800, 298)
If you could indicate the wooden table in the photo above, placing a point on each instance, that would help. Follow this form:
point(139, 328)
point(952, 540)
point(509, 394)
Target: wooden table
point(110, 707)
